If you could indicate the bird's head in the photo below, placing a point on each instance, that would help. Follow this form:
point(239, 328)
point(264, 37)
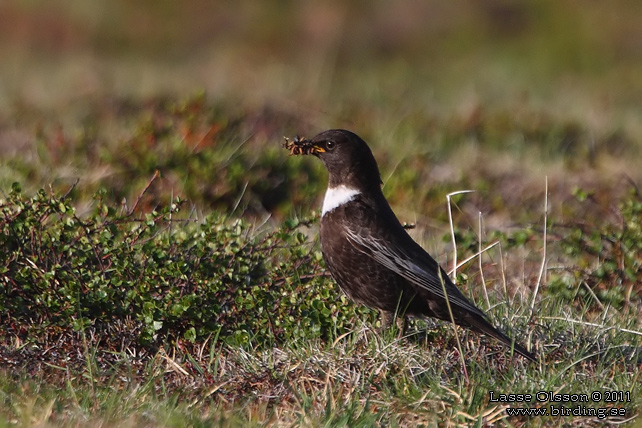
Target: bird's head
point(346, 156)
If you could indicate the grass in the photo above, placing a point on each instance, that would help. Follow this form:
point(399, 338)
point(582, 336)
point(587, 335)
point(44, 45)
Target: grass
point(360, 379)
point(272, 357)
point(160, 265)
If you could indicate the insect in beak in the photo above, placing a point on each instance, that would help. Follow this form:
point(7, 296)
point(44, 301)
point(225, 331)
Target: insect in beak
point(301, 146)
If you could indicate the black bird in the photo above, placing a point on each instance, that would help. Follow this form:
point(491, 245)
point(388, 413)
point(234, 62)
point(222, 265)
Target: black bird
point(367, 250)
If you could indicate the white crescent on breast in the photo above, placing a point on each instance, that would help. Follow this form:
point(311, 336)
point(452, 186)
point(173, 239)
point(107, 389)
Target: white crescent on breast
point(337, 196)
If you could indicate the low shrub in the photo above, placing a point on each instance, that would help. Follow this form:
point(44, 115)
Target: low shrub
point(172, 276)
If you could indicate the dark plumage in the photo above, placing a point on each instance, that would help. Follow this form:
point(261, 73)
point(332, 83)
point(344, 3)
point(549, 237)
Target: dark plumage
point(367, 250)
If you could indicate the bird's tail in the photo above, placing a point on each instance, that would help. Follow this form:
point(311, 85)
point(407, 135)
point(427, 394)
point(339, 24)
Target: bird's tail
point(480, 325)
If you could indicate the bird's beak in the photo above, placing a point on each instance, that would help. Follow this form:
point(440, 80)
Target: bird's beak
point(316, 149)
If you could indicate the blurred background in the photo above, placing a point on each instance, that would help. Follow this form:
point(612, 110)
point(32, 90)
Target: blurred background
point(482, 92)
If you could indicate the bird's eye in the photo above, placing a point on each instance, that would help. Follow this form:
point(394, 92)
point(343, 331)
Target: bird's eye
point(330, 145)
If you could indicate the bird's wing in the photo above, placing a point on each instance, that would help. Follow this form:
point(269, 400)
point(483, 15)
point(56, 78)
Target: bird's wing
point(413, 263)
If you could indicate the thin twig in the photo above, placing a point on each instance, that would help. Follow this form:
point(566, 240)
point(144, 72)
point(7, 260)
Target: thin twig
point(592, 324)
point(71, 188)
point(593, 295)
point(466, 260)
point(503, 270)
point(452, 318)
point(238, 201)
point(543, 266)
point(140, 196)
point(452, 231)
point(481, 269)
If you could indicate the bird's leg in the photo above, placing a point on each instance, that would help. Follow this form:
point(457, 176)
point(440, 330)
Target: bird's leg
point(402, 325)
point(389, 318)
